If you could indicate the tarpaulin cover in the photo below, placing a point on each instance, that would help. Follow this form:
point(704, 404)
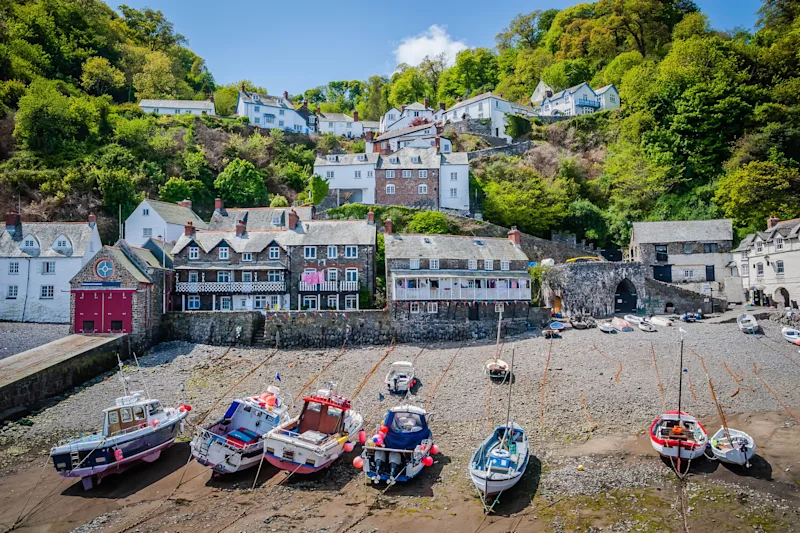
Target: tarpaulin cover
point(405, 440)
point(232, 409)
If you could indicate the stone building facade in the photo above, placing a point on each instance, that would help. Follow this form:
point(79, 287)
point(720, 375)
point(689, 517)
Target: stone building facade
point(409, 187)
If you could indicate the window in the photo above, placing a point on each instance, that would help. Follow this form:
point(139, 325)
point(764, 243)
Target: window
point(349, 125)
point(351, 252)
point(688, 274)
point(415, 307)
point(145, 212)
point(13, 268)
point(687, 247)
point(391, 116)
point(274, 252)
point(47, 292)
point(759, 247)
point(330, 124)
point(225, 303)
point(422, 189)
point(505, 265)
point(274, 275)
point(710, 248)
point(779, 267)
point(49, 267)
point(406, 173)
point(389, 174)
point(759, 269)
point(125, 415)
point(12, 292)
point(454, 176)
point(223, 276)
point(423, 174)
point(416, 159)
point(257, 120)
point(350, 302)
point(357, 174)
point(310, 252)
point(247, 277)
point(472, 264)
point(369, 173)
point(61, 243)
point(332, 274)
point(260, 302)
point(281, 112)
point(433, 264)
point(498, 307)
point(277, 220)
point(745, 269)
point(192, 277)
point(433, 308)
point(194, 252)
point(779, 244)
point(488, 264)
point(351, 274)
point(333, 301)
point(280, 123)
point(247, 257)
point(223, 252)
point(661, 252)
point(333, 252)
point(310, 302)
point(612, 98)
point(269, 119)
point(453, 193)
point(257, 108)
point(390, 189)
point(147, 232)
point(413, 264)
point(329, 174)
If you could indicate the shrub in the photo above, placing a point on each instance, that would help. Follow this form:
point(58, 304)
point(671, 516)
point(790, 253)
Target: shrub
point(241, 184)
point(429, 222)
point(279, 201)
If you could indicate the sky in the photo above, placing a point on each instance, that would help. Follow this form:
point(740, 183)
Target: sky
point(285, 47)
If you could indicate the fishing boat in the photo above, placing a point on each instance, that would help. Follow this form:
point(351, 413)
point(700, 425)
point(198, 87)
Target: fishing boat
point(326, 427)
point(400, 377)
point(733, 446)
point(678, 435)
point(660, 321)
point(233, 443)
point(606, 327)
point(633, 319)
point(792, 335)
point(747, 323)
point(688, 317)
point(620, 324)
point(646, 326)
point(400, 449)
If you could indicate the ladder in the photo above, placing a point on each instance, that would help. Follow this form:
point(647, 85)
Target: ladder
point(74, 458)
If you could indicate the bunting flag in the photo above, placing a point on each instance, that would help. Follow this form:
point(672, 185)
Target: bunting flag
point(278, 376)
point(380, 397)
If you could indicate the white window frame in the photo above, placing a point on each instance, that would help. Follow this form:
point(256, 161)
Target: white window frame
point(390, 188)
point(12, 292)
point(779, 243)
point(223, 276)
point(453, 193)
point(259, 302)
point(335, 299)
point(329, 174)
point(310, 298)
point(145, 212)
point(759, 269)
point(472, 264)
point(247, 257)
point(48, 268)
point(413, 264)
point(745, 269)
point(224, 252)
point(779, 268)
point(331, 274)
point(505, 265)
point(47, 292)
point(433, 264)
point(193, 302)
point(147, 232)
point(194, 253)
point(356, 174)
point(333, 251)
point(688, 274)
point(13, 268)
point(414, 308)
point(423, 174)
point(433, 308)
point(225, 303)
point(454, 176)
point(194, 276)
point(406, 173)
point(351, 302)
point(369, 173)
point(488, 264)
point(351, 252)
point(247, 277)
point(276, 220)
point(389, 174)
point(274, 252)
point(351, 274)
point(274, 275)
point(422, 188)
point(759, 247)
point(310, 252)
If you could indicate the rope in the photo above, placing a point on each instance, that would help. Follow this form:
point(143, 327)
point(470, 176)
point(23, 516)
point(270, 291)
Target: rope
point(616, 378)
point(660, 383)
point(420, 353)
point(446, 370)
point(544, 382)
point(737, 379)
point(369, 374)
point(714, 396)
point(586, 409)
point(755, 371)
point(313, 379)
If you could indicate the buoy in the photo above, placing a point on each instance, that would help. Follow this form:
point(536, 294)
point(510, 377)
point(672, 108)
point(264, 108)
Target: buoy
point(384, 430)
point(118, 455)
point(580, 468)
point(358, 462)
point(362, 437)
point(185, 407)
point(156, 423)
point(271, 401)
point(434, 449)
point(348, 446)
point(264, 396)
point(427, 460)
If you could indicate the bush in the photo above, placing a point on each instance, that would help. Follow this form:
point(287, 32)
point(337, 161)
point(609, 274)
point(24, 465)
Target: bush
point(317, 189)
point(279, 201)
point(241, 184)
point(518, 126)
point(429, 222)
point(178, 189)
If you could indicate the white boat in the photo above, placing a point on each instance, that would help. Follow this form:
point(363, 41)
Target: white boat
point(317, 437)
point(747, 323)
point(606, 327)
point(496, 368)
point(620, 324)
point(792, 335)
point(678, 435)
point(646, 326)
point(233, 443)
point(400, 377)
point(733, 446)
point(633, 319)
point(660, 321)
point(499, 463)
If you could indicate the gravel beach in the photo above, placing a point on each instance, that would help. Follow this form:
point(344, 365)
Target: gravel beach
point(16, 337)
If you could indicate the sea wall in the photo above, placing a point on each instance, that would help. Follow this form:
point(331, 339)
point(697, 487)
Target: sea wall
point(215, 327)
point(662, 295)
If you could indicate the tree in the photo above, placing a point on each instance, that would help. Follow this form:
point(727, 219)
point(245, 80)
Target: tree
point(778, 14)
point(432, 222)
point(241, 184)
point(586, 220)
point(157, 79)
point(226, 96)
point(408, 87)
point(99, 76)
point(692, 24)
point(317, 189)
point(642, 21)
point(150, 28)
point(117, 188)
point(567, 73)
point(619, 66)
point(293, 175)
point(526, 29)
point(377, 98)
point(279, 201)
point(178, 189)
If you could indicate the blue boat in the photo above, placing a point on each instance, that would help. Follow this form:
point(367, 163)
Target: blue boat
point(500, 462)
point(556, 326)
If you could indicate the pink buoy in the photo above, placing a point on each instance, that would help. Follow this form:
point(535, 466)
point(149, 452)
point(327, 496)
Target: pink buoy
point(434, 449)
point(362, 437)
point(264, 396)
point(118, 455)
point(427, 460)
point(358, 462)
point(348, 447)
point(271, 401)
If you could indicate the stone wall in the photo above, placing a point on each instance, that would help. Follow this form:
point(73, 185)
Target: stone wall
point(660, 295)
point(471, 125)
point(590, 288)
point(215, 327)
point(510, 149)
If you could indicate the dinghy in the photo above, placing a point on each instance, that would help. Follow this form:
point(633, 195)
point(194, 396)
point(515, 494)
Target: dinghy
point(620, 324)
point(792, 335)
point(499, 463)
point(496, 369)
point(646, 326)
point(678, 435)
point(233, 443)
point(606, 327)
point(578, 322)
point(633, 319)
point(400, 449)
point(400, 377)
point(556, 326)
point(310, 442)
point(733, 446)
point(747, 323)
point(687, 317)
point(660, 321)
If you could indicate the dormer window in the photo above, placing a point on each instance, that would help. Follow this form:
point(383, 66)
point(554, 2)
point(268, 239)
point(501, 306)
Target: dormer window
point(224, 252)
point(276, 220)
point(362, 157)
point(759, 247)
point(333, 158)
point(279, 101)
point(416, 159)
point(61, 243)
point(394, 160)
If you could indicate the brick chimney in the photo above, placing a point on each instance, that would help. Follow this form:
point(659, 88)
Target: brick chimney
point(442, 106)
point(13, 221)
point(355, 116)
point(438, 144)
point(500, 95)
point(427, 102)
point(188, 229)
point(305, 104)
point(403, 107)
point(458, 99)
point(92, 220)
point(371, 217)
point(293, 218)
point(211, 99)
point(286, 95)
point(772, 222)
point(219, 207)
point(186, 203)
point(240, 227)
point(243, 88)
point(515, 236)
point(388, 224)
point(369, 136)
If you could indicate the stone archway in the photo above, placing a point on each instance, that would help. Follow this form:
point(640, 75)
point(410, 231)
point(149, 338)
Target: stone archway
point(782, 296)
point(625, 297)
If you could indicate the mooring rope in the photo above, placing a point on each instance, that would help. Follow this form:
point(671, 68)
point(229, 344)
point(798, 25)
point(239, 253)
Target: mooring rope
point(544, 382)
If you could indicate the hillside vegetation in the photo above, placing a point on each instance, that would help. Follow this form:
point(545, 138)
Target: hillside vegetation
point(710, 125)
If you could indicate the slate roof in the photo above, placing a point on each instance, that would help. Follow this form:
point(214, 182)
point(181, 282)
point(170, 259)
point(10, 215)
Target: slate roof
point(308, 233)
point(682, 231)
point(255, 218)
point(166, 245)
point(202, 105)
point(416, 106)
point(474, 99)
point(570, 90)
point(78, 234)
point(146, 256)
point(603, 89)
point(787, 229)
point(456, 158)
point(265, 99)
point(371, 124)
point(176, 213)
point(391, 134)
point(335, 117)
point(347, 159)
point(428, 158)
point(122, 260)
point(414, 246)
point(521, 107)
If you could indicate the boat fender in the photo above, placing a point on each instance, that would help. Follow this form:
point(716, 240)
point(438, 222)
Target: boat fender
point(434, 450)
point(155, 423)
point(358, 462)
point(362, 437)
point(185, 407)
point(427, 460)
point(384, 430)
point(118, 454)
point(348, 447)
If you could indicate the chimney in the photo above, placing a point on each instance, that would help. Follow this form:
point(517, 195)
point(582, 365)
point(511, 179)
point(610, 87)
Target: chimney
point(92, 220)
point(427, 102)
point(403, 107)
point(371, 217)
point(318, 110)
point(286, 95)
point(369, 135)
point(388, 223)
point(500, 95)
point(438, 144)
point(771, 222)
point(458, 99)
point(292, 219)
point(188, 229)
point(240, 227)
point(12, 221)
point(243, 88)
point(515, 235)
point(219, 207)
point(442, 106)
point(305, 104)
point(355, 116)
point(186, 203)
point(211, 98)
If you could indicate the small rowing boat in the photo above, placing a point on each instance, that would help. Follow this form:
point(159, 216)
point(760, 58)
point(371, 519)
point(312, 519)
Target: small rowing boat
point(660, 321)
point(733, 446)
point(678, 435)
point(606, 327)
point(646, 326)
point(747, 323)
point(633, 319)
point(620, 324)
point(792, 335)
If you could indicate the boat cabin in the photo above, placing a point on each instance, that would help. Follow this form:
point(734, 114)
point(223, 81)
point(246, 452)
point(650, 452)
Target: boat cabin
point(130, 413)
point(323, 415)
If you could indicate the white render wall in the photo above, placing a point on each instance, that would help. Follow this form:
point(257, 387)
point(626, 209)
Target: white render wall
point(606, 102)
point(172, 111)
point(292, 121)
point(698, 262)
point(492, 108)
point(341, 129)
point(771, 280)
point(137, 222)
point(446, 182)
point(344, 177)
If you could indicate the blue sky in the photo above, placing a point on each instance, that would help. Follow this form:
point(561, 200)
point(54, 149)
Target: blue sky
point(294, 47)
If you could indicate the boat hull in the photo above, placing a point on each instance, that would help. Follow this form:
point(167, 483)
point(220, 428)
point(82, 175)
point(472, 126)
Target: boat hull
point(224, 460)
point(733, 455)
point(296, 468)
point(660, 321)
point(493, 486)
point(675, 448)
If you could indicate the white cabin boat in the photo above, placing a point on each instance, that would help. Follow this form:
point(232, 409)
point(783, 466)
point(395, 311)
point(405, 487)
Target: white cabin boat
point(747, 323)
point(400, 377)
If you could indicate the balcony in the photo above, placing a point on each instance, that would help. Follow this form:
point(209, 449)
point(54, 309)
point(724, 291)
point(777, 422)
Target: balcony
point(584, 102)
point(230, 287)
point(329, 286)
point(459, 293)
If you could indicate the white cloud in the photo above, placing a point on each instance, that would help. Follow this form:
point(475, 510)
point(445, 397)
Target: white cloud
point(433, 41)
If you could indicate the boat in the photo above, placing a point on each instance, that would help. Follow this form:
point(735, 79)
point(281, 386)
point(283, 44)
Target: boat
point(326, 427)
point(688, 317)
point(747, 323)
point(606, 327)
point(660, 321)
point(733, 446)
point(233, 443)
point(579, 322)
point(633, 319)
point(556, 326)
point(646, 326)
point(678, 435)
point(620, 324)
point(792, 335)
point(400, 449)
point(496, 368)
point(400, 377)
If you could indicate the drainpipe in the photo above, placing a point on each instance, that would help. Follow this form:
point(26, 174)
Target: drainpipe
point(27, 290)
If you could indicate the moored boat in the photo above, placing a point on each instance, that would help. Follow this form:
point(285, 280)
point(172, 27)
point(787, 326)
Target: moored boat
point(633, 319)
point(747, 323)
point(496, 368)
point(733, 446)
point(678, 435)
point(233, 443)
point(688, 317)
point(606, 327)
point(620, 324)
point(556, 326)
point(792, 335)
point(500, 461)
point(578, 322)
point(646, 326)
point(660, 321)
point(400, 377)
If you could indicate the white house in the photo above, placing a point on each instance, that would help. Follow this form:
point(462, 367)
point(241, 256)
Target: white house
point(609, 97)
point(393, 140)
point(179, 107)
point(541, 92)
point(37, 261)
point(395, 119)
point(487, 106)
point(340, 124)
point(270, 112)
point(351, 177)
point(153, 218)
point(454, 181)
point(577, 100)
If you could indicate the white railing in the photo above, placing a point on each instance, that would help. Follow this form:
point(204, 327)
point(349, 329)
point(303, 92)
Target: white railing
point(196, 287)
point(459, 293)
point(329, 286)
point(348, 286)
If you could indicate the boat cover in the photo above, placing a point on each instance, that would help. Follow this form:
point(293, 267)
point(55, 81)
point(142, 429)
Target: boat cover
point(232, 409)
point(406, 430)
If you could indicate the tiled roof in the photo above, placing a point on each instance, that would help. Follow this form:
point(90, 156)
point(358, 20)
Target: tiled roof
point(414, 246)
point(428, 158)
point(456, 158)
point(78, 235)
point(347, 159)
point(521, 107)
point(682, 231)
point(405, 131)
point(265, 99)
point(256, 218)
point(146, 256)
point(176, 213)
point(371, 123)
point(203, 105)
point(474, 99)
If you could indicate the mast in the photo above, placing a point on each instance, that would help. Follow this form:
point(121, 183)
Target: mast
point(497, 346)
point(510, 385)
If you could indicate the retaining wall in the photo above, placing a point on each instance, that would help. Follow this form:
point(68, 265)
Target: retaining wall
point(509, 149)
point(660, 294)
point(215, 327)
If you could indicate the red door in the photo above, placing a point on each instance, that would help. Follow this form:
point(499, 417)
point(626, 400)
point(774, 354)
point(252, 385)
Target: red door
point(117, 311)
point(103, 311)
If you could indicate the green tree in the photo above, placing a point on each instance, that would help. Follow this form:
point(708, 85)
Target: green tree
point(178, 189)
point(432, 222)
point(279, 201)
point(99, 76)
point(432, 69)
point(692, 24)
point(117, 188)
point(241, 184)
point(226, 96)
point(293, 175)
point(150, 28)
point(567, 73)
point(317, 189)
point(157, 78)
point(407, 87)
point(527, 30)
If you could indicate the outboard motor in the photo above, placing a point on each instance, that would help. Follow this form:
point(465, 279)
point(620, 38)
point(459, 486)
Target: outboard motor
point(395, 461)
point(380, 460)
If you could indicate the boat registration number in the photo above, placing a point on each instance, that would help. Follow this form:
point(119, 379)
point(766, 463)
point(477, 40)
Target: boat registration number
point(288, 454)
